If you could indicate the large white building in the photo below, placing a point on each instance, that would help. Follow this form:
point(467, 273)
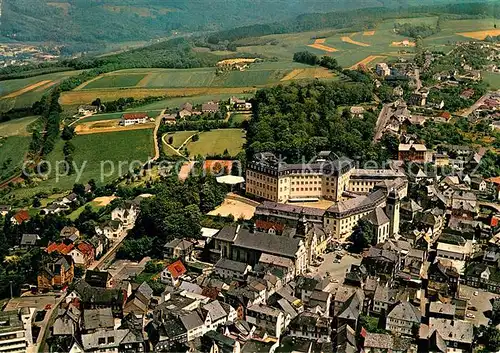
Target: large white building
point(12, 332)
point(133, 118)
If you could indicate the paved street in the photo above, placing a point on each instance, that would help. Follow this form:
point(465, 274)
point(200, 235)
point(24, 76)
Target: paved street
point(335, 270)
point(382, 120)
point(481, 302)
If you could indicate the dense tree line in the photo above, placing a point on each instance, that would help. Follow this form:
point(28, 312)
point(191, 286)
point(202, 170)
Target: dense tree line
point(297, 121)
point(349, 18)
point(175, 211)
point(415, 31)
point(306, 57)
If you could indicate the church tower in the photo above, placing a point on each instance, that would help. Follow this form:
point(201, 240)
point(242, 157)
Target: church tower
point(392, 207)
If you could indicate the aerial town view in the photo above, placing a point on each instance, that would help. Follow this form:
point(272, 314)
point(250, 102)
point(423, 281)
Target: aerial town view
point(237, 176)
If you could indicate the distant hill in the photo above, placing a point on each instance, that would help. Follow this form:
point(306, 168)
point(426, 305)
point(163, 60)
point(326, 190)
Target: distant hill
point(100, 21)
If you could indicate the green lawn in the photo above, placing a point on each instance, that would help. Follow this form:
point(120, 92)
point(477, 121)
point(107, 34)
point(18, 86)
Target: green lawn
point(238, 118)
point(17, 127)
point(127, 80)
point(12, 152)
point(216, 141)
point(93, 152)
point(76, 213)
point(179, 137)
point(491, 78)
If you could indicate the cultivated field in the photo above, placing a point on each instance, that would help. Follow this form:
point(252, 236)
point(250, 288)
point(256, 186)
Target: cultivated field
point(366, 61)
point(24, 92)
point(481, 35)
point(307, 73)
point(177, 102)
point(352, 41)
point(320, 44)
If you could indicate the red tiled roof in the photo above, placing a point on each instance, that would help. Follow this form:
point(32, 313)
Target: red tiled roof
point(446, 115)
point(494, 221)
point(261, 224)
point(494, 180)
point(176, 269)
point(211, 293)
point(60, 248)
point(86, 249)
point(21, 216)
point(130, 116)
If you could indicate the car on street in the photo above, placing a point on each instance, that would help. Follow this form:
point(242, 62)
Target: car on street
point(476, 293)
point(471, 316)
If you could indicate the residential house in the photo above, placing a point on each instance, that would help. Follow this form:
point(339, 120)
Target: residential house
point(101, 279)
point(442, 310)
point(165, 331)
point(229, 269)
point(210, 107)
point(69, 199)
point(458, 335)
point(29, 240)
point(414, 153)
point(173, 273)
point(127, 214)
point(56, 273)
point(382, 263)
point(98, 298)
point(443, 278)
point(272, 320)
point(120, 340)
point(112, 229)
point(87, 109)
point(381, 224)
point(178, 249)
point(348, 313)
point(403, 318)
point(311, 326)
point(481, 275)
point(70, 233)
point(20, 217)
point(382, 342)
point(83, 254)
point(97, 319)
point(382, 69)
point(68, 321)
point(100, 244)
point(128, 119)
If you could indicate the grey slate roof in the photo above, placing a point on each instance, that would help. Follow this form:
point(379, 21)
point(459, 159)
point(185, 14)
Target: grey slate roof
point(94, 319)
point(29, 239)
point(406, 312)
point(215, 310)
point(268, 243)
point(191, 320)
point(377, 217)
point(452, 330)
point(227, 264)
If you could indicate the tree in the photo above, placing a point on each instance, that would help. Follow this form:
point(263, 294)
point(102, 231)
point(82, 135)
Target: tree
point(306, 57)
point(489, 336)
point(68, 133)
point(36, 202)
point(170, 140)
point(79, 189)
point(362, 236)
point(195, 137)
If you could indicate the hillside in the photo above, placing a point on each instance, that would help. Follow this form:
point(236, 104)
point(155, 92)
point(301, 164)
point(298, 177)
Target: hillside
point(88, 22)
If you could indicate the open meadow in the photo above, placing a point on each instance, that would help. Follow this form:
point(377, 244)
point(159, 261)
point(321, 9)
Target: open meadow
point(93, 152)
point(210, 143)
point(12, 152)
point(17, 127)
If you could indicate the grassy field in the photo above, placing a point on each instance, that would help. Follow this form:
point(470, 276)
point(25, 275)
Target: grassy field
point(238, 118)
point(491, 78)
point(129, 80)
point(116, 116)
point(179, 137)
point(216, 141)
point(17, 127)
point(76, 213)
point(24, 92)
point(12, 152)
point(92, 152)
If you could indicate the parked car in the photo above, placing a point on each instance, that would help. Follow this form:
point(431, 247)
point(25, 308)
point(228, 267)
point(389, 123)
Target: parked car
point(471, 316)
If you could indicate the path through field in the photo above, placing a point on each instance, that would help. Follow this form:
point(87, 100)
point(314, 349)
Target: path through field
point(27, 89)
point(352, 41)
point(155, 133)
point(366, 61)
point(369, 33)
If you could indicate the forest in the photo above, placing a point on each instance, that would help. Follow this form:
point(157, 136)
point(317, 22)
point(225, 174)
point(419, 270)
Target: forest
point(297, 121)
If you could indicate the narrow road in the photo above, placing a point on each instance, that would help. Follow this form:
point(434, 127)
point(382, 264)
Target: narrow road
point(113, 249)
point(382, 121)
point(417, 79)
point(476, 105)
point(155, 133)
point(80, 118)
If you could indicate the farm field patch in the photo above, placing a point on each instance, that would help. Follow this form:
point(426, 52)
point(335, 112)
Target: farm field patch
point(17, 127)
point(86, 96)
point(125, 80)
point(308, 73)
point(481, 35)
point(352, 41)
point(108, 126)
point(491, 78)
point(116, 116)
point(366, 61)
